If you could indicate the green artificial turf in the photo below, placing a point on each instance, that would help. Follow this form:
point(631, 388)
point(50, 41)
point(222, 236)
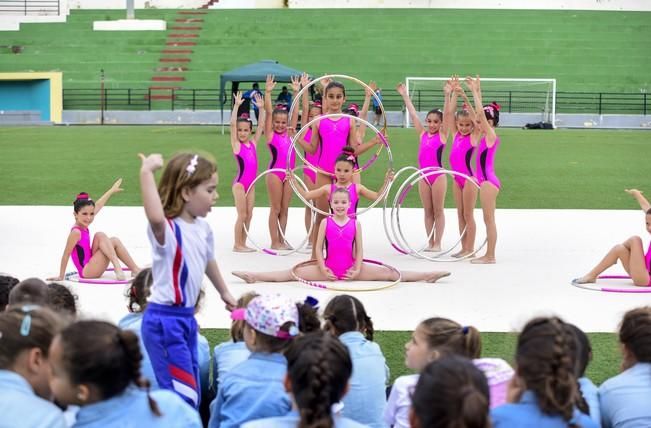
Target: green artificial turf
point(586, 169)
point(605, 363)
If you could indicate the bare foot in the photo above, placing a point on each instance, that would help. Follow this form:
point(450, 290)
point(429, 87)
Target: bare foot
point(243, 249)
point(119, 274)
point(462, 253)
point(433, 249)
point(485, 260)
point(435, 276)
point(584, 280)
point(245, 276)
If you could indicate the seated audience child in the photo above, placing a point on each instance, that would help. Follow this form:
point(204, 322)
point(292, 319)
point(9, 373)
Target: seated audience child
point(61, 299)
point(31, 291)
point(7, 282)
point(583, 353)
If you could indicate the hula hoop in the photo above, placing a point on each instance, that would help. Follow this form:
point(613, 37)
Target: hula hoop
point(297, 97)
point(404, 189)
point(74, 277)
point(631, 289)
point(294, 249)
point(299, 154)
point(334, 287)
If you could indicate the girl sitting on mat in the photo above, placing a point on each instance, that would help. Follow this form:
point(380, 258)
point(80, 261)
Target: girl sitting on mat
point(91, 261)
point(341, 238)
point(245, 153)
point(630, 253)
point(344, 180)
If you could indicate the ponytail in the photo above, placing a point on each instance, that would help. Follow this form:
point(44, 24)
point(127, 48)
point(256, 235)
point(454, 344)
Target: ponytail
point(346, 313)
point(442, 332)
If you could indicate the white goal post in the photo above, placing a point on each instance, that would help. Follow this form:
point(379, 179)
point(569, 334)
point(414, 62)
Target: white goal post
point(532, 99)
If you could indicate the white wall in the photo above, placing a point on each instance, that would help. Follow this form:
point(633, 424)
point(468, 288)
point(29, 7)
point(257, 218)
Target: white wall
point(634, 5)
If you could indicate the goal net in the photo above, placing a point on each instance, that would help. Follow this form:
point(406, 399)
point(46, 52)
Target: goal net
point(522, 100)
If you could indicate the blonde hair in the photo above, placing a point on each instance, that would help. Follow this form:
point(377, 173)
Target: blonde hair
point(176, 177)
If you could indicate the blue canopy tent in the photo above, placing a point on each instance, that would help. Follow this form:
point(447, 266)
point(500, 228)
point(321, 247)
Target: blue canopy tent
point(256, 72)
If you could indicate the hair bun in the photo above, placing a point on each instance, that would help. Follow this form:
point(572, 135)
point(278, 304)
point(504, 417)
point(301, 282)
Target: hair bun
point(244, 116)
point(82, 196)
point(496, 106)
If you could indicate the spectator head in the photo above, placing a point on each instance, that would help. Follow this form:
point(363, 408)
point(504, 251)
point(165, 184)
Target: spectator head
point(139, 291)
point(7, 282)
point(61, 299)
point(31, 291)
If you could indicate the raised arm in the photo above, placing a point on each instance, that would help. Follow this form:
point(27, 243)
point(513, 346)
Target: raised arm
point(313, 194)
point(270, 84)
point(363, 114)
point(476, 133)
point(402, 90)
point(320, 239)
point(259, 102)
point(644, 204)
point(73, 238)
point(150, 197)
point(475, 87)
point(305, 101)
point(237, 102)
point(296, 87)
point(448, 111)
point(115, 188)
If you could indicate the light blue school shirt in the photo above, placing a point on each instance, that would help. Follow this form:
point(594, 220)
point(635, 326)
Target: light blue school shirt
point(20, 407)
point(131, 410)
point(292, 419)
point(366, 398)
point(526, 414)
point(251, 390)
point(133, 322)
point(626, 398)
point(226, 356)
point(203, 353)
point(591, 396)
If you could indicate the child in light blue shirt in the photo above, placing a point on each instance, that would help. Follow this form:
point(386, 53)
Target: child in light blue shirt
point(583, 356)
point(626, 398)
point(254, 389)
point(26, 334)
point(96, 366)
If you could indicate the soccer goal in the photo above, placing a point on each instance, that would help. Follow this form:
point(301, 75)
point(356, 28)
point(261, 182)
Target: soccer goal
point(524, 100)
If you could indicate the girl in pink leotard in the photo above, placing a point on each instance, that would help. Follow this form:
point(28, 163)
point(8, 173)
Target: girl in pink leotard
point(278, 135)
point(630, 253)
point(91, 260)
point(433, 139)
point(246, 157)
point(487, 119)
point(313, 110)
point(340, 237)
point(344, 180)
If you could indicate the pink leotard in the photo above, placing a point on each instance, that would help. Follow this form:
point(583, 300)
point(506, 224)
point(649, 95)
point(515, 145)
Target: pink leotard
point(247, 163)
point(430, 153)
point(339, 246)
point(334, 137)
point(312, 158)
point(647, 259)
point(461, 157)
point(82, 252)
point(278, 146)
point(485, 163)
point(354, 198)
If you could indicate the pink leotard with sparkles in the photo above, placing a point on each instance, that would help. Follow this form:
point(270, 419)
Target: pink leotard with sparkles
point(334, 137)
point(312, 158)
point(339, 246)
point(430, 153)
point(485, 163)
point(278, 147)
point(647, 259)
point(354, 198)
point(82, 252)
point(247, 164)
point(461, 157)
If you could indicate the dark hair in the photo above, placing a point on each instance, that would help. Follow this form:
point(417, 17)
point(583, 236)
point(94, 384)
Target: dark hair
point(19, 335)
point(176, 177)
point(256, 86)
point(492, 112)
point(61, 299)
point(237, 326)
point(451, 392)
point(445, 333)
point(437, 112)
point(545, 364)
point(81, 201)
point(99, 353)
point(635, 333)
point(308, 321)
point(334, 84)
point(30, 291)
point(6, 284)
point(139, 290)
point(648, 211)
point(318, 367)
point(345, 155)
point(244, 118)
point(346, 313)
point(583, 350)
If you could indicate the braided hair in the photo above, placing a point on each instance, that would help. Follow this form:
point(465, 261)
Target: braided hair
point(545, 364)
point(451, 393)
point(346, 313)
point(318, 367)
point(99, 353)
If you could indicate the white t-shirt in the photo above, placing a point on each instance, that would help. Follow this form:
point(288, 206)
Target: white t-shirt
point(178, 270)
point(397, 411)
